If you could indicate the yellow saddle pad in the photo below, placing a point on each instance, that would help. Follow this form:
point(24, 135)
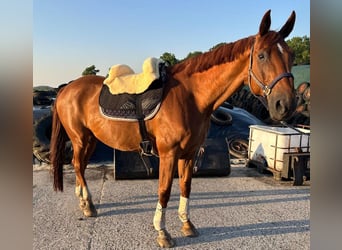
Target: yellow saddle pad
point(122, 79)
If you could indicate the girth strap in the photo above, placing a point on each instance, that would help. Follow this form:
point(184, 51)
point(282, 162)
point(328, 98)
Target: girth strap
point(145, 144)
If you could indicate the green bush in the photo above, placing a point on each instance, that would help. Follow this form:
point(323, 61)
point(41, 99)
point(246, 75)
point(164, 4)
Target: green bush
point(301, 74)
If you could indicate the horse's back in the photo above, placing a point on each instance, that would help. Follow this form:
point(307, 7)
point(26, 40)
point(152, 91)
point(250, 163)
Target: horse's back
point(81, 89)
point(77, 98)
point(83, 84)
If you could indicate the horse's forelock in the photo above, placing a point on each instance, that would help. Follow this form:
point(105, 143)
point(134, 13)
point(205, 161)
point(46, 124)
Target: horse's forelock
point(270, 39)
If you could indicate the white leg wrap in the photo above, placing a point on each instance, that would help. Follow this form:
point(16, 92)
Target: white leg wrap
point(183, 210)
point(85, 193)
point(159, 218)
point(78, 191)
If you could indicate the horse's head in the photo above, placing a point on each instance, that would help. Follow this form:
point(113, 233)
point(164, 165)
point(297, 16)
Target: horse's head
point(269, 73)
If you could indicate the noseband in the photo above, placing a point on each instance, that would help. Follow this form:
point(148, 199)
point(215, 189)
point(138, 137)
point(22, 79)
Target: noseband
point(266, 89)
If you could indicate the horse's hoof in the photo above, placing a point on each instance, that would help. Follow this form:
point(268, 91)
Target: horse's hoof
point(164, 239)
point(83, 204)
point(188, 230)
point(89, 213)
point(89, 210)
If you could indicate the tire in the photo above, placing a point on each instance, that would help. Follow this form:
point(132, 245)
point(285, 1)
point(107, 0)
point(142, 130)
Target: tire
point(238, 148)
point(308, 108)
point(43, 95)
point(300, 99)
point(227, 105)
point(301, 108)
point(41, 141)
point(221, 117)
point(302, 87)
point(306, 94)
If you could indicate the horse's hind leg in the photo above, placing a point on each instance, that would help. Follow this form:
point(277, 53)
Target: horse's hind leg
point(185, 170)
point(83, 148)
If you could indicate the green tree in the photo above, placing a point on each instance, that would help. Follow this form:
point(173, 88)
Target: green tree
point(91, 70)
point(216, 46)
point(170, 58)
point(192, 54)
point(301, 48)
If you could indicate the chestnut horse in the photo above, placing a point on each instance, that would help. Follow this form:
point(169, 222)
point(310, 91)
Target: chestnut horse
point(194, 89)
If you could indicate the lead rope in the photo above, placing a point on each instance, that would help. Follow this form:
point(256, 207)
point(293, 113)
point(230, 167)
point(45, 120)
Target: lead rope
point(293, 127)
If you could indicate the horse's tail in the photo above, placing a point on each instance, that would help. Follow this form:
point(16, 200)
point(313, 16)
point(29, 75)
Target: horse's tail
point(57, 150)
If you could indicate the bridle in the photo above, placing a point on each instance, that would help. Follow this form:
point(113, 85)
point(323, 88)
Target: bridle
point(266, 89)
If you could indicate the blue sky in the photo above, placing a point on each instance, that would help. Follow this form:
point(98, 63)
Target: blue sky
point(70, 35)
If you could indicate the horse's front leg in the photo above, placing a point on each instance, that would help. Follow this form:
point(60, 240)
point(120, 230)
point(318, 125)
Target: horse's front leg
point(185, 170)
point(167, 166)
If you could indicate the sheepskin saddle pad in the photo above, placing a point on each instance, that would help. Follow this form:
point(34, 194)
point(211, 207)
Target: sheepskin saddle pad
point(122, 79)
point(130, 97)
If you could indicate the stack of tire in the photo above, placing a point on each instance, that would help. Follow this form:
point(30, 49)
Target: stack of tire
point(303, 104)
point(43, 98)
point(232, 124)
point(43, 95)
point(246, 100)
point(41, 138)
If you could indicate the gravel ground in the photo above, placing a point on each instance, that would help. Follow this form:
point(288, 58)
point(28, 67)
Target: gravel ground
point(245, 210)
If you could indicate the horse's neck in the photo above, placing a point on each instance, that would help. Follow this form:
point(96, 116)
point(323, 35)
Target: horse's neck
point(215, 85)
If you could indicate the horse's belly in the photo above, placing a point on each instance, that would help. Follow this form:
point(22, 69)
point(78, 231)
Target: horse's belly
point(118, 135)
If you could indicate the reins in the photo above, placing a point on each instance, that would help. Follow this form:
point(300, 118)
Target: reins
point(266, 89)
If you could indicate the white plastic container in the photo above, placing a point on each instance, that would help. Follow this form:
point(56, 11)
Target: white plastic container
point(270, 143)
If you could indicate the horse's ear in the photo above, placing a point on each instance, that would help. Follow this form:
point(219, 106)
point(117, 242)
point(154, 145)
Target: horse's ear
point(265, 23)
point(288, 26)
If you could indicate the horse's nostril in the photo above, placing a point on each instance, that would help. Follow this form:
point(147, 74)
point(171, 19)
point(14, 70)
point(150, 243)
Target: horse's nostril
point(280, 107)
point(277, 105)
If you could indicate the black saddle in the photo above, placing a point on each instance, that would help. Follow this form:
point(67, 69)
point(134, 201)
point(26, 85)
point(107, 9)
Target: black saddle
point(126, 106)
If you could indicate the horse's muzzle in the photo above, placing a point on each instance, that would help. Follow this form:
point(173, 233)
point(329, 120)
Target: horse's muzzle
point(281, 107)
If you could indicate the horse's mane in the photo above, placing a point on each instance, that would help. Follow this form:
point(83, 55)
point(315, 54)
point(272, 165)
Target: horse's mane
point(222, 54)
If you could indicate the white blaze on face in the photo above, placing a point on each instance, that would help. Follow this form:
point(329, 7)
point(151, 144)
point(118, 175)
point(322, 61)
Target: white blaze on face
point(280, 48)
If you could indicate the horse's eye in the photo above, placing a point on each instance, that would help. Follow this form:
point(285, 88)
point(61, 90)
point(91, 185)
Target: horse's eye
point(261, 56)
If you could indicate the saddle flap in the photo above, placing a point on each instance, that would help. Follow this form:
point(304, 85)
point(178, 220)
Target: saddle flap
point(122, 79)
point(124, 106)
